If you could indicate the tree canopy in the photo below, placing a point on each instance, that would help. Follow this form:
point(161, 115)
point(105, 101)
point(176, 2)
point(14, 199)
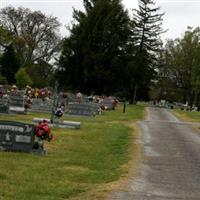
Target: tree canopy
point(34, 35)
point(146, 31)
point(182, 66)
point(93, 56)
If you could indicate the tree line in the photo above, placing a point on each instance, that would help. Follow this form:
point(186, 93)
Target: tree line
point(179, 71)
point(108, 51)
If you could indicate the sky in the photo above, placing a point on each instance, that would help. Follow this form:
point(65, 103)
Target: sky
point(178, 13)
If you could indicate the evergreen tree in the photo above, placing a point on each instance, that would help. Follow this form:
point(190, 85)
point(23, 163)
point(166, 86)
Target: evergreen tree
point(146, 30)
point(9, 64)
point(94, 56)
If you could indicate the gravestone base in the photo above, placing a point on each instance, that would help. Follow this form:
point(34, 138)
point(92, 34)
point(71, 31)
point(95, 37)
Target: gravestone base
point(17, 110)
point(39, 151)
point(59, 124)
point(34, 151)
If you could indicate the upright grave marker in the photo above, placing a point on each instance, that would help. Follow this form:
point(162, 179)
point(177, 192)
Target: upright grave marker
point(4, 105)
point(16, 136)
point(55, 102)
point(17, 103)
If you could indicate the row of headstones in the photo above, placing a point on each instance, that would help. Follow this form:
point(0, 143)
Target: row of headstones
point(71, 108)
point(13, 104)
point(85, 108)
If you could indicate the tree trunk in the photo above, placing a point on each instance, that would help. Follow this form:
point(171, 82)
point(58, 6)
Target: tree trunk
point(135, 94)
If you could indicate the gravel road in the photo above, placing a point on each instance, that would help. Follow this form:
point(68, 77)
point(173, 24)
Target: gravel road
point(171, 166)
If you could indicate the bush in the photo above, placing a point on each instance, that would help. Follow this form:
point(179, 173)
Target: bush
point(22, 78)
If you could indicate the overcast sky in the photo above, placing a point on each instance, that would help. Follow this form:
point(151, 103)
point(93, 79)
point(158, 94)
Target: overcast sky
point(178, 13)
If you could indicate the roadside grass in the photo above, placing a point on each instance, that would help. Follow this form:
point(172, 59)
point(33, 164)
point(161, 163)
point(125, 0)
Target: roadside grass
point(187, 115)
point(80, 164)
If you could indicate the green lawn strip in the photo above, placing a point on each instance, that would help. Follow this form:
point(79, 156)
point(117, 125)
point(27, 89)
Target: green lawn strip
point(78, 161)
point(191, 116)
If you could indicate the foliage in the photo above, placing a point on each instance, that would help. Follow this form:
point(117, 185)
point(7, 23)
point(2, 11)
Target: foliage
point(146, 31)
point(3, 79)
point(9, 64)
point(93, 56)
point(41, 74)
point(182, 65)
point(34, 35)
point(5, 37)
point(22, 78)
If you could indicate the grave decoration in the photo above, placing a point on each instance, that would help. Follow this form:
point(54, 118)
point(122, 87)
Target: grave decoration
point(56, 115)
point(42, 132)
point(22, 137)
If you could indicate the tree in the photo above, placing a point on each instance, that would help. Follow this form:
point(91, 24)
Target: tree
point(5, 38)
point(146, 31)
point(94, 55)
point(182, 65)
point(22, 78)
point(41, 74)
point(34, 35)
point(9, 64)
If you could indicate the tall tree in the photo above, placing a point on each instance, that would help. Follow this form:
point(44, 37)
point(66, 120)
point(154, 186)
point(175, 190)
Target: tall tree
point(93, 56)
point(146, 31)
point(35, 35)
point(9, 64)
point(182, 65)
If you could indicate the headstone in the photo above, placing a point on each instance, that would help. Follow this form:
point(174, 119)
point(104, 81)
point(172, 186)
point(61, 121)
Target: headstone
point(108, 103)
point(4, 105)
point(16, 136)
point(16, 103)
point(82, 109)
point(64, 124)
point(38, 105)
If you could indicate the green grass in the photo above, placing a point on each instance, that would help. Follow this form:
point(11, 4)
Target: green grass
point(80, 164)
point(192, 116)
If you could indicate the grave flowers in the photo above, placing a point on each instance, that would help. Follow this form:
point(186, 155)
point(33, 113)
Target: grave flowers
point(42, 132)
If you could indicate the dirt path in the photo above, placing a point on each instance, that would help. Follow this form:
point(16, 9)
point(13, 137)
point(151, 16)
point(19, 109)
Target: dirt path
point(171, 166)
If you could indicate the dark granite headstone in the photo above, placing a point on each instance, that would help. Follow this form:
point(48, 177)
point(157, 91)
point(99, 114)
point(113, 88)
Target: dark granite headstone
point(16, 136)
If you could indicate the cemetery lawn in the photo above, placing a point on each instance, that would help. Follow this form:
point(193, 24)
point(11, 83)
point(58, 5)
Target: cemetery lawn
point(191, 116)
point(80, 164)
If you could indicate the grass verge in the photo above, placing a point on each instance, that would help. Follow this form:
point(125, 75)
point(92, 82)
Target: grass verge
point(80, 164)
point(190, 116)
